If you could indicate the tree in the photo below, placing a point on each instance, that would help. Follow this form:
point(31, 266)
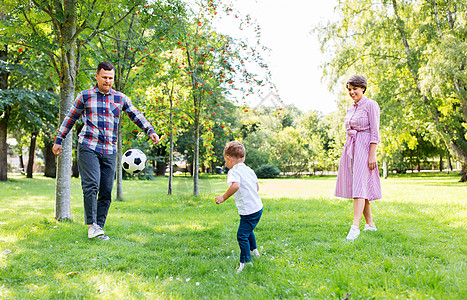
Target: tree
point(413, 74)
point(134, 46)
point(212, 63)
point(25, 103)
point(59, 29)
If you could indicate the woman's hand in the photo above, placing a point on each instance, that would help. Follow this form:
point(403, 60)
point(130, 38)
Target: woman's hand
point(372, 163)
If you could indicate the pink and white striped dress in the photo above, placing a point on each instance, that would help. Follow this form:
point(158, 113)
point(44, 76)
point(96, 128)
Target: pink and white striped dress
point(354, 178)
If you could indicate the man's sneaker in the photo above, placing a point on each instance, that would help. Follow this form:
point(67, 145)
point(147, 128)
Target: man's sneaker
point(255, 253)
point(353, 233)
point(103, 237)
point(94, 230)
point(368, 227)
point(243, 265)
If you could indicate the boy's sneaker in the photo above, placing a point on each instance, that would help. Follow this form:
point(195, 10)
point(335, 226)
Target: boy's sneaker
point(243, 265)
point(255, 253)
point(95, 230)
point(368, 227)
point(353, 233)
point(104, 237)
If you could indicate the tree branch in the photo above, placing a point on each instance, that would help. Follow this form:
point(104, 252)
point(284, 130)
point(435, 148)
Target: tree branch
point(84, 25)
point(121, 19)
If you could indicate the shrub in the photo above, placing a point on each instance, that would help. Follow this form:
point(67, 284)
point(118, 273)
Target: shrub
point(267, 171)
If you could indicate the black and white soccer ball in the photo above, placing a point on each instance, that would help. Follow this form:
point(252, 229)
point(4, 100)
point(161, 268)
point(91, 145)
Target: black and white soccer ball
point(133, 161)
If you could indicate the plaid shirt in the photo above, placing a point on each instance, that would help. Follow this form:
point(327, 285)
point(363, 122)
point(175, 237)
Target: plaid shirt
point(101, 113)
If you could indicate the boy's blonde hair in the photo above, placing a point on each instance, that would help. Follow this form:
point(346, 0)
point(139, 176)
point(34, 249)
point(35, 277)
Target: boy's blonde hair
point(234, 149)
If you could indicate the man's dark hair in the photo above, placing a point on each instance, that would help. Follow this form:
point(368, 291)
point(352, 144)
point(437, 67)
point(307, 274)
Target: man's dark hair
point(357, 81)
point(106, 66)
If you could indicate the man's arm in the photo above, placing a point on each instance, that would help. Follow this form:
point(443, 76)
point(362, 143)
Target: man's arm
point(138, 118)
point(75, 112)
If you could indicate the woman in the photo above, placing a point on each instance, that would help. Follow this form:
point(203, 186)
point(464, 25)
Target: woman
point(358, 175)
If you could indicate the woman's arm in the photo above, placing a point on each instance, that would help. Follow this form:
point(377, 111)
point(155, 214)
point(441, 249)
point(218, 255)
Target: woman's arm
point(372, 163)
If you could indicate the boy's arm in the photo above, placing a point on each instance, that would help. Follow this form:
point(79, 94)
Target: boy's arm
point(257, 187)
point(230, 191)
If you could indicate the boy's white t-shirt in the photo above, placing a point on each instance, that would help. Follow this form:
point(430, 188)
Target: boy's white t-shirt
point(246, 198)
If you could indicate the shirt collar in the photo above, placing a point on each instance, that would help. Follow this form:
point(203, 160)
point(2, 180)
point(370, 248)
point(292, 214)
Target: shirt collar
point(361, 101)
point(239, 164)
point(110, 92)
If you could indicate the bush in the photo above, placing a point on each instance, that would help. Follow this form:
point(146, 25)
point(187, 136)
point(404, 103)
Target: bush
point(267, 171)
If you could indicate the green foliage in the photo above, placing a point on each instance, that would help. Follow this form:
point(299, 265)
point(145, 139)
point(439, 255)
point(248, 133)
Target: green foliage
point(309, 144)
point(30, 110)
point(255, 157)
point(267, 171)
point(416, 73)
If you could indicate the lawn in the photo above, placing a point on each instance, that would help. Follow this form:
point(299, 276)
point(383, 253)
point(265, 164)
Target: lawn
point(181, 247)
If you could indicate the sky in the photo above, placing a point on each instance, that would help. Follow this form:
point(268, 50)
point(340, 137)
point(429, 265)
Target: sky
point(295, 56)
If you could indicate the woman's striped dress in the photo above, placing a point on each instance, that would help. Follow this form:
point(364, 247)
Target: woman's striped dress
point(354, 178)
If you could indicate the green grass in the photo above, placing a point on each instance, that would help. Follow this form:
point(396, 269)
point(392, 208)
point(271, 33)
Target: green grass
point(181, 247)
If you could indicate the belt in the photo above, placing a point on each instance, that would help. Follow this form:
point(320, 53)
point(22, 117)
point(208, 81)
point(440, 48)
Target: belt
point(350, 145)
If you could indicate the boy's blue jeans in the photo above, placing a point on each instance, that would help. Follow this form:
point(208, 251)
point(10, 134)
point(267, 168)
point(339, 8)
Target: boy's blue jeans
point(245, 236)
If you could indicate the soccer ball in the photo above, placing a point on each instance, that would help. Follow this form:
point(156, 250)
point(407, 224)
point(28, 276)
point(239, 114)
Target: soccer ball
point(133, 161)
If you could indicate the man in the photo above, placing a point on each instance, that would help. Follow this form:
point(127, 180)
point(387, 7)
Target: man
point(100, 109)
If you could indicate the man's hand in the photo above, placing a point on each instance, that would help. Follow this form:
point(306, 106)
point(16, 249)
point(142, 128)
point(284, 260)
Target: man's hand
point(57, 149)
point(219, 199)
point(154, 137)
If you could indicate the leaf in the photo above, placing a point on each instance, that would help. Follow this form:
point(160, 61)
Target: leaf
point(72, 273)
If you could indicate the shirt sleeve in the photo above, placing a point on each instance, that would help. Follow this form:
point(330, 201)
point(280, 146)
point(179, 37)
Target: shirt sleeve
point(75, 112)
point(233, 176)
point(373, 117)
point(137, 117)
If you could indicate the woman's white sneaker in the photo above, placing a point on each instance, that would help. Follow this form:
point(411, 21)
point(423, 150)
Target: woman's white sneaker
point(368, 227)
point(353, 233)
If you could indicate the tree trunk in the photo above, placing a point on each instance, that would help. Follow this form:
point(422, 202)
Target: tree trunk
point(171, 152)
point(196, 118)
point(4, 121)
point(463, 173)
point(3, 147)
point(67, 91)
point(49, 159)
point(196, 155)
point(21, 161)
point(441, 166)
point(119, 170)
point(161, 166)
point(74, 169)
point(448, 161)
point(32, 155)
point(455, 147)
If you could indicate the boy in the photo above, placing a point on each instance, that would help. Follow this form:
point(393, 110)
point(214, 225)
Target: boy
point(244, 187)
